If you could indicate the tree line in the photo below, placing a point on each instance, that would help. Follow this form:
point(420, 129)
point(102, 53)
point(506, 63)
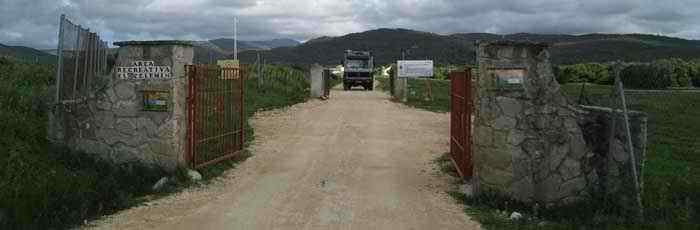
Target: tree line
point(659, 74)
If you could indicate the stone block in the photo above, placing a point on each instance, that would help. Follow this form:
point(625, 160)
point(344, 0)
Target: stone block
point(125, 91)
point(136, 139)
point(619, 152)
point(126, 108)
point(125, 126)
point(573, 186)
point(124, 153)
point(161, 148)
point(148, 126)
point(570, 169)
point(523, 189)
point(549, 189)
point(110, 136)
point(93, 147)
point(104, 119)
point(504, 123)
point(167, 130)
point(510, 106)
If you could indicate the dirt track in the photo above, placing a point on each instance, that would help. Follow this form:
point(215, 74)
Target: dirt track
point(357, 161)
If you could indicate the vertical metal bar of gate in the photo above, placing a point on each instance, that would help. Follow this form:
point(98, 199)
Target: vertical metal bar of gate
point(461, 122)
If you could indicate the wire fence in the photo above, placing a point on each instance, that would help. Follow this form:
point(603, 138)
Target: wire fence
point(82, 55)
point(277, 79)
point(671, 175)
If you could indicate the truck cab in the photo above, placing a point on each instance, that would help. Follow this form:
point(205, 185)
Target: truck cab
point(358, 66)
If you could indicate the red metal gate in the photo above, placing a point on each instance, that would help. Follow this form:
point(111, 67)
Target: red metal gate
point(215, 114)
point(461, 122)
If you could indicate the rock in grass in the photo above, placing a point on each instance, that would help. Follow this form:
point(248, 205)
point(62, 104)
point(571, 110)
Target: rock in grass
point(194, 175)
point(467, 189)
point(160, 184)
point(516, 216)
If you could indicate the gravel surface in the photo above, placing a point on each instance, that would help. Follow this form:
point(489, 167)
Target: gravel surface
point(356, 161)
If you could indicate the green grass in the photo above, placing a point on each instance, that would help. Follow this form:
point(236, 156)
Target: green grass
point(44, 186)
point(427, 94)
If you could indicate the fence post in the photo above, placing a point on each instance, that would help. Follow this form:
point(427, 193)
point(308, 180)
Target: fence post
point(59, 53)
point(619, 88)
point(259, 71)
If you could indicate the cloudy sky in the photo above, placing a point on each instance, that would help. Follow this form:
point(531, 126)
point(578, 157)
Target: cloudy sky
point(35, 22)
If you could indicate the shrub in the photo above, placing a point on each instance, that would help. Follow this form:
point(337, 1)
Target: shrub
point(654, 76)
point(588, 72)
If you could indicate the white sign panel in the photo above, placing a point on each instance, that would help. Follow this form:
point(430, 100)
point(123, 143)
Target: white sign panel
point(144, 70)
point(415, 69)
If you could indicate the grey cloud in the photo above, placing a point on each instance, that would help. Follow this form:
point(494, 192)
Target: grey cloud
point(34, 22)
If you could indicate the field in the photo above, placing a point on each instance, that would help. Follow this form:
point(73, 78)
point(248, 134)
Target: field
point(46, 185)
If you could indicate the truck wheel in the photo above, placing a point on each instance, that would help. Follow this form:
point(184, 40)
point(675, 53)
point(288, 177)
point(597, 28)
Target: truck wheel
point(346, 87)
point(370, 86)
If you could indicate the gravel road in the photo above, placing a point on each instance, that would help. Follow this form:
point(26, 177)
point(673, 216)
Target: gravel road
point(356, 161)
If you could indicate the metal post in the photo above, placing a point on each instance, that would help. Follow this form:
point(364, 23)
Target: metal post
point(235, 38)
point(59, 52)
point(259, 71)
point(632, 159)
point(77, 60)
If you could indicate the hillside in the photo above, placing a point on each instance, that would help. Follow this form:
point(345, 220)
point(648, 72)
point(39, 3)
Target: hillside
point(27, 54)
point(386, 44)
point(210, 51)
point(227, 44)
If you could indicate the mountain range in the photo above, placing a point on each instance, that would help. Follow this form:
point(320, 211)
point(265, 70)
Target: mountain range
point(27, 54)
point(387, 46)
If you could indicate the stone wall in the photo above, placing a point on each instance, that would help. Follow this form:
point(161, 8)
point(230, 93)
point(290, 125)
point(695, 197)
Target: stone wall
point(613, 170)
point(112, 121)
point(528, 141)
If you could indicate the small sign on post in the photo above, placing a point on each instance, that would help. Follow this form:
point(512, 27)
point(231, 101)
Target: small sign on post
point(509, 77)
point(155, 100)
point(415, 69)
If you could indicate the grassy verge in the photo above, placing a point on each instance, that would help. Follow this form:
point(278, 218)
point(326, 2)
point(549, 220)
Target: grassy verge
point(43, 186)
point(427, 94)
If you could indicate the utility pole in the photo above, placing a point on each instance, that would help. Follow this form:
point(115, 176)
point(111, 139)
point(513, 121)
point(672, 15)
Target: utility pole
point(235, 38)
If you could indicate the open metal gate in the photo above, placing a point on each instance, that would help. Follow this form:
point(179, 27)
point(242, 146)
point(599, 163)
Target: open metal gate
point(215, 113)
point(461, 122)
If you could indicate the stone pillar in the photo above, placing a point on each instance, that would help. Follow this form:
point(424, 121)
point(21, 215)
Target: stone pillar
point(317, 84)
point(138, 113)
point(527, 143)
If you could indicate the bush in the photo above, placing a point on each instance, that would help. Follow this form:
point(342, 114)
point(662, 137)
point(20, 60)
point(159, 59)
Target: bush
point(654, 76)
point(589, 73)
